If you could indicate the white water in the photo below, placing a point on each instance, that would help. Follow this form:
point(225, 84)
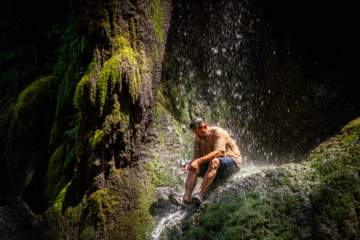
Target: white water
point(167, 222)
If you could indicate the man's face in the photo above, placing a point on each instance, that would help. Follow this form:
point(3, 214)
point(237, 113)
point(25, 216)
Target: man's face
point(200, 133)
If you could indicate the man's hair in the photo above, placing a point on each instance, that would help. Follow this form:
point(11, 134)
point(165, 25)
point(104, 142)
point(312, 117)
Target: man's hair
point(197, 122)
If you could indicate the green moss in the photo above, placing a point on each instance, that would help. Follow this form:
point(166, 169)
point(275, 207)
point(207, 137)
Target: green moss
point(54, 136)
point(339, 153)
point(140, 215)
point(156, 52)
point(123, 208)
point(97, 138)
point(58, 204)
point(160, 97)
point(352, 128)
point(156, 16)
point(99, 208)
point(253, 215)
point(69, 163)
point(31, 95)
point(119, 211)
point(336, 199)
point(72, 46)
point(133, 31)
point(84, 89)
point(54, 179)
point(117, 120)
point(28, 132)
point(125, 61)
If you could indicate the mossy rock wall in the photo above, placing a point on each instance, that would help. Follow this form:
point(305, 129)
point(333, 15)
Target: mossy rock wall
point(108, 194)
point(118, 211)
point(72, 141)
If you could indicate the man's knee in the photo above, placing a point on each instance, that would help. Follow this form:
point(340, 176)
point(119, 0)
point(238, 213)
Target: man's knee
point(214, 163)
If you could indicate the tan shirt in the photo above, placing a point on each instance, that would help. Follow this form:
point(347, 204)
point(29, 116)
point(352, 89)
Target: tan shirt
point(218, 140)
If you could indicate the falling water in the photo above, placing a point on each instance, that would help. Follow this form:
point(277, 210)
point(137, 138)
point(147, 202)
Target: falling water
point(216, 64)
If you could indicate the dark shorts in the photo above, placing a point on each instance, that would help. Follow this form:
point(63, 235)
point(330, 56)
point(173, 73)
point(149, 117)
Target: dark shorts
point(227, 167)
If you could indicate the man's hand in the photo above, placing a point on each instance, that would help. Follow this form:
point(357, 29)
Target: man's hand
point(194, 166)
point(185, 168)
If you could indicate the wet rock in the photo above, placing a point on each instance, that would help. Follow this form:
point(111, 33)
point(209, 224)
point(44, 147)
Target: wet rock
point(162, 206)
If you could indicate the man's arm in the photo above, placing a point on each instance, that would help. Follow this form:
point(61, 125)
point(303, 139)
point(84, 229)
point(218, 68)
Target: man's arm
point(208, 157)
point(195, 163)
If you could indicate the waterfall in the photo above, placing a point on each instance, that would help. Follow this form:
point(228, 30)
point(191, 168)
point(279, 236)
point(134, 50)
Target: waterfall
point(215, 64)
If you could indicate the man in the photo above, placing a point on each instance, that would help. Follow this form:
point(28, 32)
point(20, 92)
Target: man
point(215, 154)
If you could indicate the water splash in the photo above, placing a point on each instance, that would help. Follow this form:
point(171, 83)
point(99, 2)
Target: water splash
point(167, 222)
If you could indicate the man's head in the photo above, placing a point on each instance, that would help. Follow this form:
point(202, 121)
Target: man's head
point(199, 127)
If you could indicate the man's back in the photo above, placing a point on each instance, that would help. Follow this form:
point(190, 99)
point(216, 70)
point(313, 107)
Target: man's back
point(217, 140)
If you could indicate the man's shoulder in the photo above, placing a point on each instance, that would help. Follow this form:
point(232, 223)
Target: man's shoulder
point(219, 131)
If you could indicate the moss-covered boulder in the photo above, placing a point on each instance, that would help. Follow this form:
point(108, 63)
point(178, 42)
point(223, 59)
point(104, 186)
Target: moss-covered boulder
point(26, 132)
point(336, 199)
point(317, 199)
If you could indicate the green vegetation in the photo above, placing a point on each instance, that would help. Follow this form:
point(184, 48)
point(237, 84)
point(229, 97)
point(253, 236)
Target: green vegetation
point(119, 211)
point(27, 129)
point(125, 61)
point(30, 95)
point(336, 201)
point(73, 45)
point(57, 207)
point(156, 16)
point(84, 87)
point(54, 178)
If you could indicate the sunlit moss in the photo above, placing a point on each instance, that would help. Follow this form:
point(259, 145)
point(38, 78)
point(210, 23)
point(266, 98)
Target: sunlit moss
point(99, 207)
point(156, 16)
point(84, 87)
point(58, 204)
point(125, 62)
point(97, 138)
point(121, 211)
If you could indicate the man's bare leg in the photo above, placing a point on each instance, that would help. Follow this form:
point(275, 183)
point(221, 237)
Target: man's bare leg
point(210, 175)
point(190, 185)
